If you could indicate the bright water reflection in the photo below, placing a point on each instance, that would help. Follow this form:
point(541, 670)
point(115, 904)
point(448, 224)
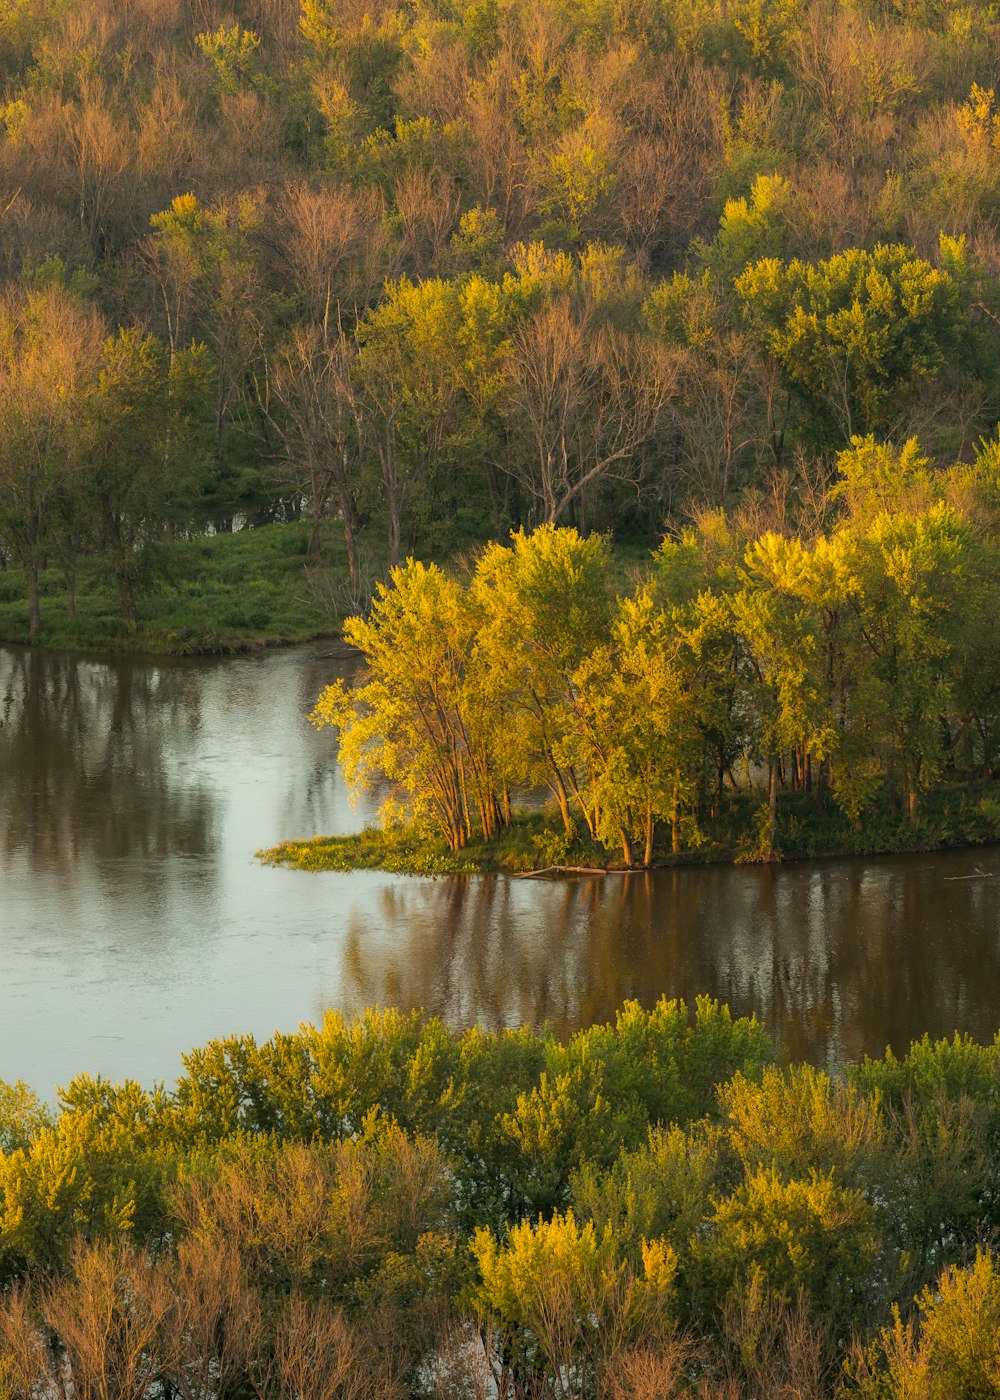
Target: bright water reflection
point(135, 923)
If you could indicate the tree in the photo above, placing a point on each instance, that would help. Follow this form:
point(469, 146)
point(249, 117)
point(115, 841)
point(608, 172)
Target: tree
point(108, 1315)
point(589, 401)
point(775, 614)
point(911, 572)
point(567, 1302)
point(211, 1332)
point(857, 336)
point(410, 397)
point(950, 1348)
point(141, 437)
point(49, 352)
point(639, 727)
point(333, 243)
point(414, 720)
point(315, 411)
point(717, 405)
point(541, 605)
point(204, 262)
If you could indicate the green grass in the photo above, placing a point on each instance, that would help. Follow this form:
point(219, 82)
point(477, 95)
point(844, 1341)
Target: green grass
point(218, 594)
point(212, 594)
point(952, 815)
point(221, 594)
point(529, 843)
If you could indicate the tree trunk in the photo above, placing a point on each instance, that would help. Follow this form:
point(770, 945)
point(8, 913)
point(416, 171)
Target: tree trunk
point(562, 796)
point(772, 806)
point(34, 609)
point(499, 507)
point(395, 532)
point(628, 847)
point(127, 595)
point(347, 515)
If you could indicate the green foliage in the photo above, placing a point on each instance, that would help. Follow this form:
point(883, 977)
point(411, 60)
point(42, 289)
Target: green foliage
point(22, 1116)
point(96, 1169)
point(806, 1235)
point(212, 594)
point(612, 267)
point(650, 1199)
point(857, 333)
point(661, 1190)
point(800, 1121)
point(950, 1350)
point(234, 54)
point(563, 1296)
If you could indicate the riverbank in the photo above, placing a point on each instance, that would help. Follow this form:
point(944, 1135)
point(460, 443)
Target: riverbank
point(212, 595)
point(953, 816)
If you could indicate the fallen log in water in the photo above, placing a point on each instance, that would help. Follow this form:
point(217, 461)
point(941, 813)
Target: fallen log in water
point(560, 870)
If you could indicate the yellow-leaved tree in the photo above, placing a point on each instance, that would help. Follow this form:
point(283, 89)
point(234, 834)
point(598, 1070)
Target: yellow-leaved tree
point(415, 720)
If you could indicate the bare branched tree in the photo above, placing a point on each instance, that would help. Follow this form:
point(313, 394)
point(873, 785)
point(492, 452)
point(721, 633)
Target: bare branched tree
point(309, 396)
point(319, 1353)
point(428, 206)
point(590, 401)
point(211, 1333)
point(108, 1315)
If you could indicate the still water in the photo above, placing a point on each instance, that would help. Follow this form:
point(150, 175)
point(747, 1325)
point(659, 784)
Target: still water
point(135, 923)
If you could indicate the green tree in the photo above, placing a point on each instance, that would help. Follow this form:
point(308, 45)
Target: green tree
point(776, 616)
point(566, 1300)
point(859, 335)
point(204, 259)
point(951, 1349)
point(413, 720)
point(411, 396)
point(144, 457)
point(638, 728)
point(542, 606)
point(911, 571)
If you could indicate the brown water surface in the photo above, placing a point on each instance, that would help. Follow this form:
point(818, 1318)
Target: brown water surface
point(135, 923)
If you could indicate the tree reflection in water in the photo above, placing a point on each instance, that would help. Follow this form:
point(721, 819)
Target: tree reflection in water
point(839, 958)
point(83, 764)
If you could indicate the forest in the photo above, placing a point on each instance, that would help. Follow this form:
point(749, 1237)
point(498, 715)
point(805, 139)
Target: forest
point(416, 274)
point(381, 1207)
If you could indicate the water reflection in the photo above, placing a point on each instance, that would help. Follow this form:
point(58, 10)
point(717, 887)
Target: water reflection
point(135, 923)
point(83, 763)
point(840, 958)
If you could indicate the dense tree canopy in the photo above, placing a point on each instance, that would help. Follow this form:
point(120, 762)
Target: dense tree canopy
point(448, 269)
point(851, 661)
point(386, 1207)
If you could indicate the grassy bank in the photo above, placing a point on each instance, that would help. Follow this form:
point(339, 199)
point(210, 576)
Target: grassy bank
point(213, 595)
point(953, 815)
point(529, 843)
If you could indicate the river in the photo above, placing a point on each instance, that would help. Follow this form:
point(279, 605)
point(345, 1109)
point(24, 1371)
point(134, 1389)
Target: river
point(135, 922)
